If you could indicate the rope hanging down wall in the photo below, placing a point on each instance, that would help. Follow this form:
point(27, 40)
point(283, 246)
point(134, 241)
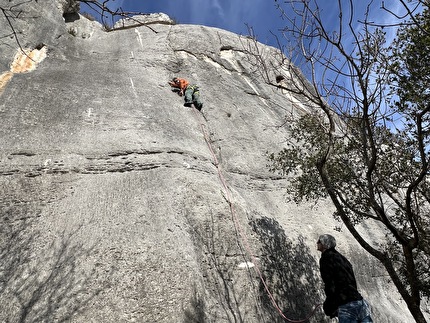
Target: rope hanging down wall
point(239, 229)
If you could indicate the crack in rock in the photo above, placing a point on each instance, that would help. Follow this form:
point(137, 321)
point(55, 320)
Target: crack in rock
point(119, 161)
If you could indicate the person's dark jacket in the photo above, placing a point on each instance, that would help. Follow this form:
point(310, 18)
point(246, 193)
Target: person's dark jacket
point(340, 285)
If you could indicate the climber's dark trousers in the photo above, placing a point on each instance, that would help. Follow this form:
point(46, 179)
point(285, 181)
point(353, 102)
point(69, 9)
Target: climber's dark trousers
point(192, 95)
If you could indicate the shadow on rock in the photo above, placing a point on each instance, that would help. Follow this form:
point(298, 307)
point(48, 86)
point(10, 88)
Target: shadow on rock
point(291, 273)
point(225, 295)
point(40, 283)
point(197, 310)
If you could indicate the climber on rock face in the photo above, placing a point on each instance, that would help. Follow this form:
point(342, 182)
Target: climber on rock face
point(190, 91)
point(180, 84)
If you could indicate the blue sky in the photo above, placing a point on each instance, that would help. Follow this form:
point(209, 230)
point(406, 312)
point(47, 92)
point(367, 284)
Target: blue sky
point(232, 15)
point(235, 15)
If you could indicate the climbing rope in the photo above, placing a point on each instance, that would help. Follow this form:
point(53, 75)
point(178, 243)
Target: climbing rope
point(240, 230)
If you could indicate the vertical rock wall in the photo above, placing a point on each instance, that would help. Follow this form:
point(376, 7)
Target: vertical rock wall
point(119, 204)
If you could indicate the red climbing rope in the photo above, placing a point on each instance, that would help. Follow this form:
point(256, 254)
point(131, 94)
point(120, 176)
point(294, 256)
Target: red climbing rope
point(241, 233)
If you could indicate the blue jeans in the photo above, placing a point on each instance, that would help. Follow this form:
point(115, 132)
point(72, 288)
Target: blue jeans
point(355, 312)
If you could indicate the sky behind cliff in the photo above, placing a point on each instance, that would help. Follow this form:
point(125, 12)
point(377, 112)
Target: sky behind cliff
point(262, 16)
point(232, 15)
point(263, 19)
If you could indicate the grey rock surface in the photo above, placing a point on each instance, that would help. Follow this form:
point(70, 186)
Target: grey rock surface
point(119, 204)
point(148, 19)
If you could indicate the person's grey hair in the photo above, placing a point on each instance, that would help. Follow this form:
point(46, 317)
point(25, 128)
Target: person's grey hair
point(328, 241)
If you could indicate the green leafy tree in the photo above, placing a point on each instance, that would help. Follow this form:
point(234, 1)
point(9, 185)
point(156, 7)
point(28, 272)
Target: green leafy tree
point(364, 149)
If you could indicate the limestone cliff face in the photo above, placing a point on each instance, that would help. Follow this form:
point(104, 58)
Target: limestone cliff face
point(119, 204)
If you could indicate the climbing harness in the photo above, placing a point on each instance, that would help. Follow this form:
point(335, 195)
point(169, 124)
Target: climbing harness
point(241, 233)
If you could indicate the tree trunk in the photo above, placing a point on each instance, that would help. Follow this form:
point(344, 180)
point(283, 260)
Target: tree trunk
point(416, 312)
point(412, 302)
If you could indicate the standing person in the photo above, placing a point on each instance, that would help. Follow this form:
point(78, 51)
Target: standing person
point(191, 92)
point(340, 287)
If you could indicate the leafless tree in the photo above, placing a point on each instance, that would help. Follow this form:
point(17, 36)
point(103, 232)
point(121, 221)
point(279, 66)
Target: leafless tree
point(108, 16)
point(12, 12)
point(357, 146)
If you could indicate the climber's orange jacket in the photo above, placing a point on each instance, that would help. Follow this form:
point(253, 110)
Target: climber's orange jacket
point(180, 84)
